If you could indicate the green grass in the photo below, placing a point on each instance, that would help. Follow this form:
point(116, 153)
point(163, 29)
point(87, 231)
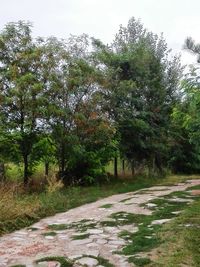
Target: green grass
point(123, 218)
point(147, 237)
point(195, 187)
point(49, 234)
point(32, 229)
point(78, 237)
point(180, 240)
point(139, 261)
point(80, 226)
point(106, 206)
point(141, 241)
point(101, 261)
point(63, 261)
point(126, 199)
point(59, 227)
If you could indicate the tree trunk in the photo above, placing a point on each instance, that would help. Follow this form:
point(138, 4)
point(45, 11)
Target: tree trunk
point(123, 167)
point(151, 167)
point(46, 168)
point(132, 168)
point(2, 172)
point(26, 170)
point(62, 160)
point(115, 167)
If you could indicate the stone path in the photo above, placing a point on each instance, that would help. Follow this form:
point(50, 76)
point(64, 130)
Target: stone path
point(80, 234)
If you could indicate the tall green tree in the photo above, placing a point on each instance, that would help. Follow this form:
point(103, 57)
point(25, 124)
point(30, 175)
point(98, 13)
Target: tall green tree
point(20, 88)
point(140, 89)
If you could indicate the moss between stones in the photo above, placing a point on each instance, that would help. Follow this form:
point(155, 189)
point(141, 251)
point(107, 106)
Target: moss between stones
point(49, 234)
point(101, 261)
point(80, 226)
point(62, 260)
point(83, 236)
point(147, 236)
point(106, 206)
point(32, 228)
point(126, 199)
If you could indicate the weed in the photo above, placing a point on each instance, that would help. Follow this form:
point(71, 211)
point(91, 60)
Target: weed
point(53, 184)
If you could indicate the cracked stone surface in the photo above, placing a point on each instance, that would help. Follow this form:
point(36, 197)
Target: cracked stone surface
point(26, 246)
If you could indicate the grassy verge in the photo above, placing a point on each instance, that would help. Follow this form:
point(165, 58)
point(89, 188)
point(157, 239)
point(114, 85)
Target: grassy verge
point(20, 209)
point(180, 240)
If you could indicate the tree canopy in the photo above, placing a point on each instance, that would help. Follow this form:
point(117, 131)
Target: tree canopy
point(79, 103)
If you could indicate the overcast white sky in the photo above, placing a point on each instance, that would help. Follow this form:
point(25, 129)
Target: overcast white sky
point(177, 19)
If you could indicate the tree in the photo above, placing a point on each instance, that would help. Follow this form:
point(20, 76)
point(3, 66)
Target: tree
point(20, 88)
point(140, 89)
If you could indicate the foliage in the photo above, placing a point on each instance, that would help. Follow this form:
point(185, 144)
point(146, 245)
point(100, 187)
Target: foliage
point(140, 88)
point(78, 103)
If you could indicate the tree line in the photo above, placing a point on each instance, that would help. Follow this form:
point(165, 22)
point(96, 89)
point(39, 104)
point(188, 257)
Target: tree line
point(80, 103)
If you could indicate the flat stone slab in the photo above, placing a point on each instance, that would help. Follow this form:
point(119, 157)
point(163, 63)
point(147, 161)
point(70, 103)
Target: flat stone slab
point(151, 205)
point(95, 231)
point(48, 264)
point(90, 262)
point(160, 221)
point(81, 241)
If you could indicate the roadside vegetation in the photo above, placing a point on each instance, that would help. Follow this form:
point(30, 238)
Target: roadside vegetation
point(179, 240)
point(20, 208)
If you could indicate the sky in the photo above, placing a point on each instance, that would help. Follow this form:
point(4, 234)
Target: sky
point(177, 19)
